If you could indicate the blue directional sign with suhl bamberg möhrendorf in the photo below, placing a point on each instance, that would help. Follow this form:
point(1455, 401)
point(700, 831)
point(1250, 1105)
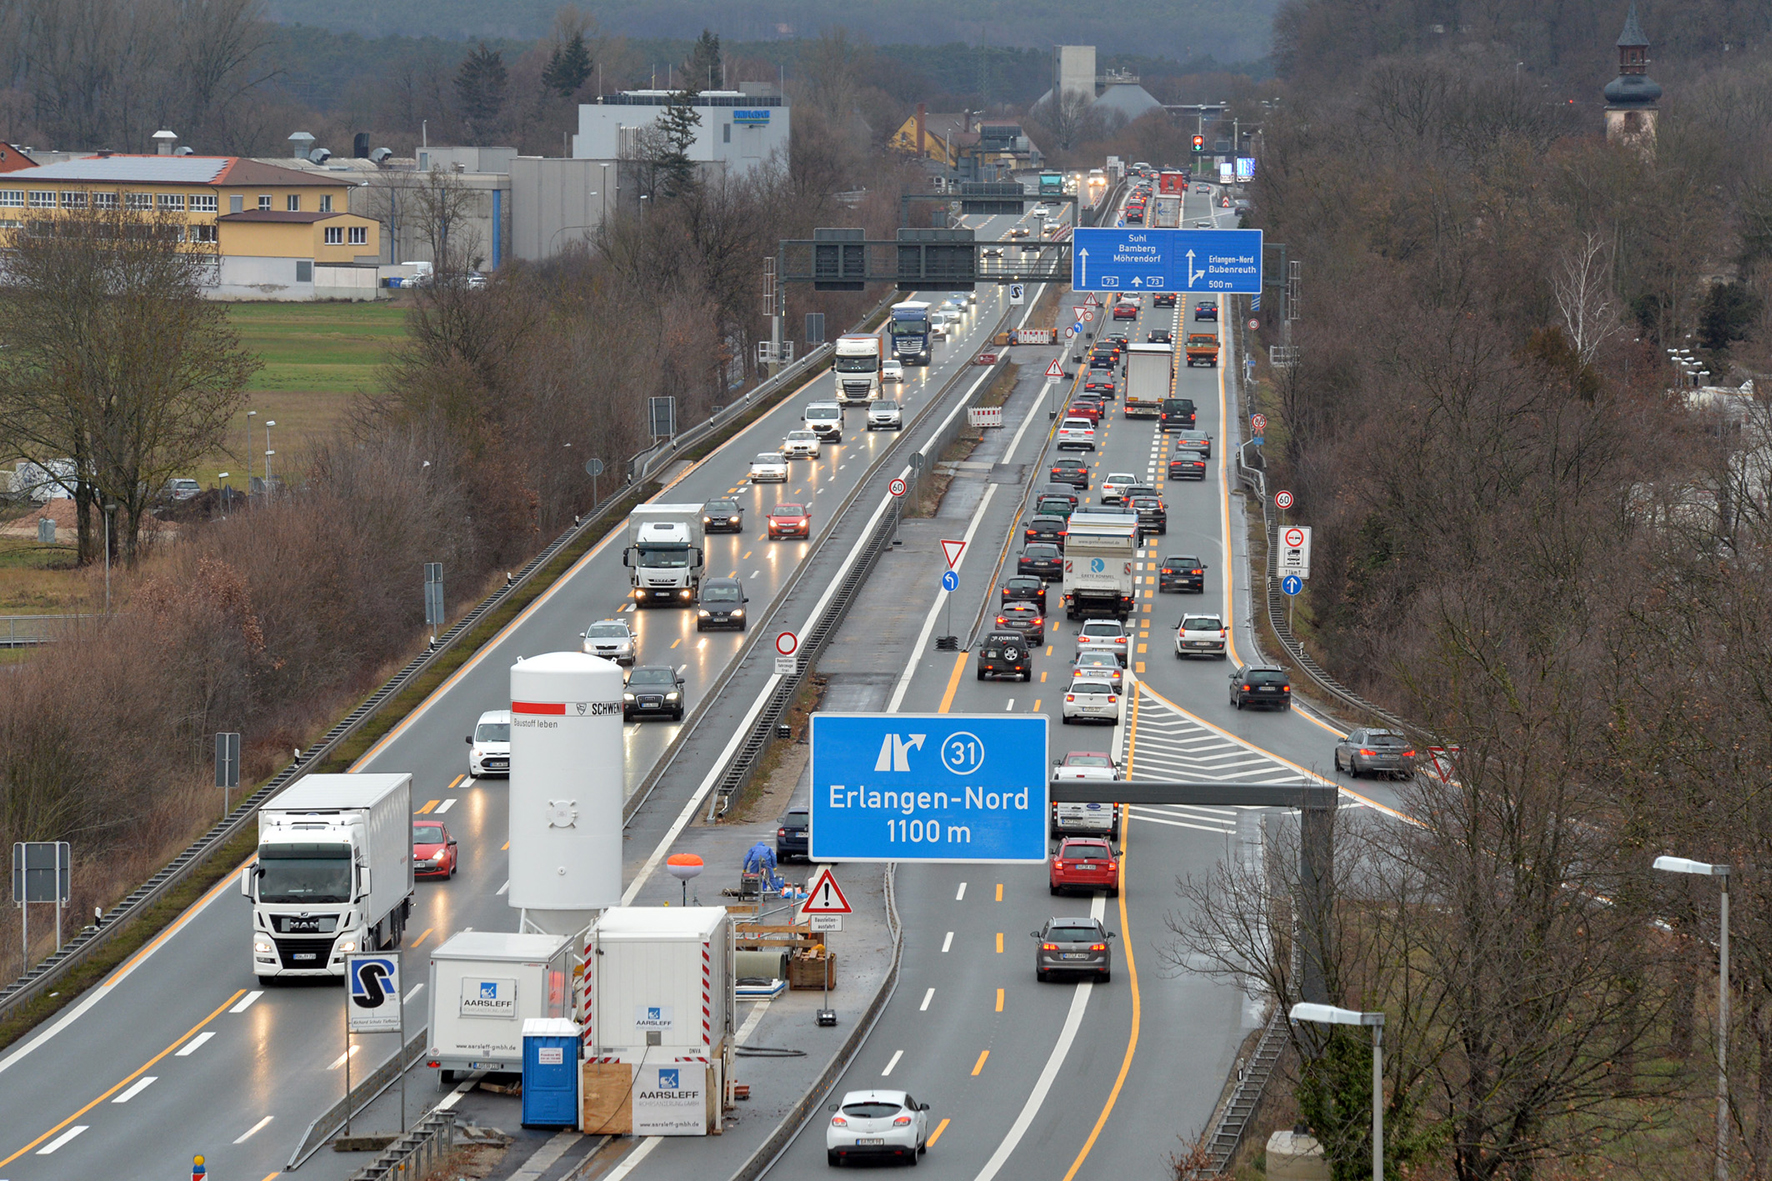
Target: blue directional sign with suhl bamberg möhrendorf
point(1220, 262)
point(929, 787)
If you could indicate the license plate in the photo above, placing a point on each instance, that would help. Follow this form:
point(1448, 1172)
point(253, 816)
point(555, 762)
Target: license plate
point(303, 955)
point(1074, 955)
point(1086, 865)
point(871, 1140)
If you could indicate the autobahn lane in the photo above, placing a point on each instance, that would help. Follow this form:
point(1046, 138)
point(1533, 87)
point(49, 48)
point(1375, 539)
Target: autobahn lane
point(278, 1057)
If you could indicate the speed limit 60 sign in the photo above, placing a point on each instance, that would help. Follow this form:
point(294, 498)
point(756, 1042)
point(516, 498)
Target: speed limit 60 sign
point(1282, 499)
point(896, 487)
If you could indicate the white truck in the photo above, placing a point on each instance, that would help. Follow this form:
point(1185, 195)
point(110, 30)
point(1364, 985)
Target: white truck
point(857, 362)
point(1150, 373)
point(665, 553)
point(483, 986)
point(42, 483)
point(333, 874)
point(1166, 212)
point(1098, 552)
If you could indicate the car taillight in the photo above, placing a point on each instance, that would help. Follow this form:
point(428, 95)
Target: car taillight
point(838, 1121)
point(1048, 947)
point(1070, 696)
point(1367, 753)
point(1193, 572)
point(1408, 754)
point(1167, 570)
point(903, 1121)
point(781, 832)
point(1246, 688)
point(1112, 699)
point(1098, 947)
point(1285, 688)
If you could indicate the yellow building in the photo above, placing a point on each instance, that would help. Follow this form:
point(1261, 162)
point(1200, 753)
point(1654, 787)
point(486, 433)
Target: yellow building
point(279, 233)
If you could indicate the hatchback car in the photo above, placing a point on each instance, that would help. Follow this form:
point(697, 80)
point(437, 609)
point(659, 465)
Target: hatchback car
point(877, 1125)
point(1050, 529)
point(1159, 336)
point(722, 605)
point(722, 516)
point(789, 520)
point(1070, 471)
point(1375, 752)
point(800, 445)
point(1081, 409)
point(653, 691)
point(1023, 588)
point(489, 746)
point(1058, 492)
point(1091, 699)
point(1084, 863)
point(1105, 360)
point(434, 851)
point(1102, 635)
point(1114, 487)
point(769, 468)
point(611, 639)
point(1163, 299)
point(891, 370)
point(183, 488)
point(1099, 384)
point(792, 836)
point(1042, 559)
point(1180, 573)
point(1073, 945)
point(1259, 684)
point(1005, 655)
point(885, 415)
point(1125, 311)
point(1195, 441)
point(1055, 506)
point(1200, 635)
point(1153, 514)
point(1086, 764)
point(1025, 618)
point(1187, 465)
point(1206, 310)
point(1098, 665)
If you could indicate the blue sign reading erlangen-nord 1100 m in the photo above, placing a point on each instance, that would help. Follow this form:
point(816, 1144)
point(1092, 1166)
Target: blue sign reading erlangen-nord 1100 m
point(1132, 258)
point(928, 787)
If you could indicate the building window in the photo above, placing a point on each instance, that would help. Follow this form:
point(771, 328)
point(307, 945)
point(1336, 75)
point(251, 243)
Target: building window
point(172, 202)
point(335, 235)
point(304, 270)
point(236, 202)
point(12, 198)
point(42, 199)
point(326, 203)
point(141, 201)
point(73, 200)
point(203, 233)
point(104, 200)
point(204, 202)
point(359, 235)
point(727, 134)
point(292, 203)
point(264, 202)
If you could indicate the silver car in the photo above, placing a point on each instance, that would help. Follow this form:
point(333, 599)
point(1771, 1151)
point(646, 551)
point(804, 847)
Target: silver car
point(1073, 945)
point(611, 639)
point(771, 467)
point(1375, 752)
point(1200, 635)
point(885, 415)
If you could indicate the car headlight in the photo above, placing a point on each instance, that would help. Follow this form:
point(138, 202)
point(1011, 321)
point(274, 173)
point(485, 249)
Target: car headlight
point(262, 945)
point(737, 613)
point(707, 520)
point(348, 945)
point(703, 612)
point(627, 696)
point(672, 696)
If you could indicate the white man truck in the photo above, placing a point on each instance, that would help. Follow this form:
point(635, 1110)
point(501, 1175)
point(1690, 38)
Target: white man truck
point(333, 875)
point(665, 553)
point(857, 362)
point(1150, 371)
point(1098, 552)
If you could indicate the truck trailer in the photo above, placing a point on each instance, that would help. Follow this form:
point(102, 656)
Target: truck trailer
point(333, 874)
point(665, 553)
point(1150, 371)
point(1098, 552)
point(483, 986)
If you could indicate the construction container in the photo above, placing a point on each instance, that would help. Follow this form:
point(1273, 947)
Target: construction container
point(661, 977)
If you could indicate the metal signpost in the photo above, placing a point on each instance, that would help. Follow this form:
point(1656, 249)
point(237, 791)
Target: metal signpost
point(434, 599)
point(373, 1005)
point(227, 765)
point(897, 488)
point(824, 908)
point(929, 787)
point(593, 469)
point(662, 414)
point(814, 328)
point(42, 871)
point(786, 663)
point(1139, 259)
point(950, 582)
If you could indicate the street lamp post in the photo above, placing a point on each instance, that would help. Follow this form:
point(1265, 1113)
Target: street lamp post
point(269, 423)
point(1330, 1015)
point(110, 511)
point(1721, 873)
point(250, 415)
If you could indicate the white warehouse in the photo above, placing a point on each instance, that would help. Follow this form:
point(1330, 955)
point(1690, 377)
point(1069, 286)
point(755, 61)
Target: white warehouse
point(739, 129)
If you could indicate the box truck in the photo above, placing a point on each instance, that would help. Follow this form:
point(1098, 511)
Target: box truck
point(1099, 549)
point(665, 553)
point(333, 875)
point(484, 985)
point(1150, 370)
point(857, 362)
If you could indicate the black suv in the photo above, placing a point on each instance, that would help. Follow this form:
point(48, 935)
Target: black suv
point(1070, 471)
point(1153, 514)
point(1099, 385)
point(653, 691)
point(1024, 588)
point(1159, 336)
point(1050, 529)
point(1206, 311)
point(792, 836)
point(1041, 559)
point(1177, 414)
point(1103, 359)
point(1181, 572)
point(1005, 654)
point(1187, 465)
point(1260, 684)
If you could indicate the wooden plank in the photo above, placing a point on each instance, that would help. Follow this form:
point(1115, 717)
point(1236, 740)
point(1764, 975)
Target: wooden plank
point(607, 1104)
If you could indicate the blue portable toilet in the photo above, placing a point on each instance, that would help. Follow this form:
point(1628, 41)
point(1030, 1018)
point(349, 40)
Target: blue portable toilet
point(550, 1073)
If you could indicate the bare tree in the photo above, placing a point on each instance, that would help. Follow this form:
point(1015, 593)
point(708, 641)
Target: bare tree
point(1582, 281)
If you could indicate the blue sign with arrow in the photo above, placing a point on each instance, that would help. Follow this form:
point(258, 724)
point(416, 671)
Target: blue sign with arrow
point(1292, 584)
point(950, 581)
point(1135, 258)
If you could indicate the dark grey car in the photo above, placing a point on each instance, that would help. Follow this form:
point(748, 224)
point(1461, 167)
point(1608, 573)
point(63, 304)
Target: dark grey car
point(653, 691)
point(1375, 752)
point(724, 515)
point(722, 605)
point(1073, 945)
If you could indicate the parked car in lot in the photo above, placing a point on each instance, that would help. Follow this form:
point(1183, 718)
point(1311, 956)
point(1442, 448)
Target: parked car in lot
point(1375, 752)
point(885, 415)
point(1072, 471)
point(434, 852)
point(792, 835)
point(1200, 635)
point(182, 488)
point(1103, 635)
point(877, 1125)
point(489, 746)
point(1260, 684)
point(653, 691)
point(724, 515)
point(1042, 559)
point(1073, 945)
point(1187, 465)
point(1024, 588)
point(1180, 573)
point(789, 521)
point(722, 605)
point(800, 445)
point(1005, 655)
point(1084, 863)
point(1076, 434)
point(1092, 700)
point(612, 639)
point(769, 468)
point(1023, 618)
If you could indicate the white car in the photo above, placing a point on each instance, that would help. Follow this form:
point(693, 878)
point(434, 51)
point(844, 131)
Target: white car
point(1092, 700)
point(489, 746)
point(1114, 487)
point(1076, 434)
point(970, 298)
point(885, 415)
point(1103, 635)
point(953, 307)
point(938, 327)
point(769, 468)
point(891, 371)
point(611, 639)
point(1200, 635)
point(877, 1124)
point(800, 445)
point(1085, 764)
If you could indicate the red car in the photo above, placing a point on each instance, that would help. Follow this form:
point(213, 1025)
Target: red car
point(1089, 410)
point(789, 520)
point(434, 852)
point(1125, 311)
point(1084, 863)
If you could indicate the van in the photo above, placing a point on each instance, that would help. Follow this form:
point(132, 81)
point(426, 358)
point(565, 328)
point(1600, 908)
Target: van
point(824, 419)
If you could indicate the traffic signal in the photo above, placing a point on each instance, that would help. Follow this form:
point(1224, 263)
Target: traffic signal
point(1199, 143)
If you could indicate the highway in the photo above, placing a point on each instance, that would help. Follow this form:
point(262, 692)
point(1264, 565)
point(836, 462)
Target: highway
point(181, 1051)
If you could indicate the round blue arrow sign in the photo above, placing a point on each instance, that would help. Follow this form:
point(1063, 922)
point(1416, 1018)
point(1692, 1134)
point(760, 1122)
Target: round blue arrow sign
point(950, 581)
point(1292, 584)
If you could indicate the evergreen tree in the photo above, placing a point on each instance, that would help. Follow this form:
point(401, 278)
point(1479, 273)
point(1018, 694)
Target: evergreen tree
point(568, 67)
point(480, 86)
point(702, 70)
point(676, 171)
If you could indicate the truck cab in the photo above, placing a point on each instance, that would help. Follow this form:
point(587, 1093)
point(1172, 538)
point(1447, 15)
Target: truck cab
point(856, 360)
point(665, 553)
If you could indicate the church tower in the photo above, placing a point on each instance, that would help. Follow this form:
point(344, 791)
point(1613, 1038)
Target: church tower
point(1631, 97)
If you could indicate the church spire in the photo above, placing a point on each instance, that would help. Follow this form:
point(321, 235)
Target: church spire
point(1632, 95)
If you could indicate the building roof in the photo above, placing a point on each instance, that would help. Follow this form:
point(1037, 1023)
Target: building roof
point(1131, 100)
point(1632, 37)
point(178, 170)
point(13, 157)
point(284, 215)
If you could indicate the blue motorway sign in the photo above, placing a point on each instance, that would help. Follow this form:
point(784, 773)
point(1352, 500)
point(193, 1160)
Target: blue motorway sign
point(1135, 258)
point(929, 787)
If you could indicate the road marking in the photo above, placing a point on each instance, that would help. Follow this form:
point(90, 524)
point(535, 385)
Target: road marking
point(422, 937)
point(676, 641)
point(246, 1002)
point(414, 991)
point(196, 1043)
point(978, 1067)
point(756, 574)
point(141, 1084)
point(999, 943)
point(446, 805)
point(504, 888)
point(457, 781)
point(340, 1060)
point(428, 806)
point(960, 894)
point(945, 944)
point(504, 846)
point(633, 1159)
point(1036, 705)
point(936, 1135)
point(1043, 671)
point(62, 1139)
point(947, 699)
point(1132, 1039)
point(896, 1055)
point(750, 1022)
point(137, 1073)
point(259, 1126)
point(999, 891)
point(999, 1000)
point(930, 995)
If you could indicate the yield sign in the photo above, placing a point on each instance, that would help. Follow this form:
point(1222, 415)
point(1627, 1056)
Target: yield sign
point(952, 549)
point(824, 897)
point(1079, 313)
point(1052, 370)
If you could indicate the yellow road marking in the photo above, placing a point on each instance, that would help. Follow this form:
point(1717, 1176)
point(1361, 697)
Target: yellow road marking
point(999, 943)
point(1036, 705)
point(421, 937)
point(1043, 672)
point(676, 641)
point(978, 1067)
point(429, 804)
point(456, 782)
point(504, 846)
point(936, 1135)
point(999, 891)
point(947, 699)
point(999, 1000)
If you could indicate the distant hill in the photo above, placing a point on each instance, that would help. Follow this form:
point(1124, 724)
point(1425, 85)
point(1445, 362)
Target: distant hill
point(1228, 30)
